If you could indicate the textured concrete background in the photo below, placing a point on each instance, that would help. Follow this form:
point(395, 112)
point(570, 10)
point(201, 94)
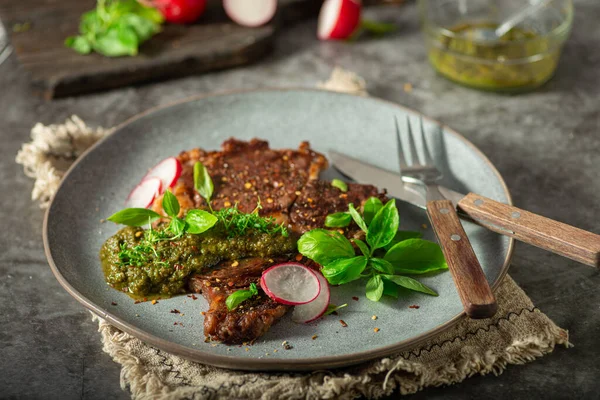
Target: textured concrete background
point(546, 144)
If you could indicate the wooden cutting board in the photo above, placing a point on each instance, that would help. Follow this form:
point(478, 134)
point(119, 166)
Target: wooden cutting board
point(213, 43)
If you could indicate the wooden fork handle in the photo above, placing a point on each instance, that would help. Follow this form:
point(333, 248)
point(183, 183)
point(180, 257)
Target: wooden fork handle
point(472, 285)
point(554, 236)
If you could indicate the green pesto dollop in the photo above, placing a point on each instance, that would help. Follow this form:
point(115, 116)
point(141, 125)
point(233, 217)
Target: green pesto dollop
point(167, 264)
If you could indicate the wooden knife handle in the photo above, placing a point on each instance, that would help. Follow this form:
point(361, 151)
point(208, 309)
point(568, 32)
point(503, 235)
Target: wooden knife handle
point(473, 288)
point(554, 236)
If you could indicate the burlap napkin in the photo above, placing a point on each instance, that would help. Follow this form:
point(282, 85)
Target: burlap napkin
point(519, 332)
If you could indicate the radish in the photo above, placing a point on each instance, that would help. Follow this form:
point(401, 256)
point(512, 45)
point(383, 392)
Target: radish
point(250, 13)
point(180, 11)
point(290, 283)
point(168, 171)
point(338, 19)
point(315, 309)
point(143, 194)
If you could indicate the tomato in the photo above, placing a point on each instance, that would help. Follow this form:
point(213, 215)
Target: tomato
point(181, 11)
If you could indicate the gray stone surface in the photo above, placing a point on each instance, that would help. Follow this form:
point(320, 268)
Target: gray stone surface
point(546, 144)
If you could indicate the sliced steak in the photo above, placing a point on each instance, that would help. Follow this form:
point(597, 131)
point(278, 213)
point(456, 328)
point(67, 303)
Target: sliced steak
point(249, 320)
point(245, 173)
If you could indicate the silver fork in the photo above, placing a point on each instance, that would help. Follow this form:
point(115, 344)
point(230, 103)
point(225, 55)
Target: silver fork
point(473, 288)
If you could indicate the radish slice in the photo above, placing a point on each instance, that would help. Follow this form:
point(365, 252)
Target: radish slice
point(143, 194)
point(315, 309)
point(290, 283)
point(338, 19)
point(250, 13)
point(168, 171)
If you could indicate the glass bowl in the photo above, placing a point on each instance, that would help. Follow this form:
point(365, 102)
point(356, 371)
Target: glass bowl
point(459, 46)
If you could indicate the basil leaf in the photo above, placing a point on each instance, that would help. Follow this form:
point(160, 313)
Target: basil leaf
point(202, 181)
point(390, 289)
point(134, 217)
point(238, 297)
point(374, 288)
point(336, 183)
point(381, 265)
point(199, 221)
point(416, 256)
point(363, 247)
point(344, 270)
point(372, 205)
point(115, 43)
point(357, 218)
point(410, 283)
point(143, 28)
point(403, 235)
point(338, 220)
point(384, 226)
point(170, 204)
point(177, 226)
point(79, 43)
point(323, 246)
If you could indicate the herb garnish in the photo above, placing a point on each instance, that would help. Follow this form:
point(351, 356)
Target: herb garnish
point(232, 220)
point(336, 183)
point(239, 296)
point(386, 254)
point(115, 28)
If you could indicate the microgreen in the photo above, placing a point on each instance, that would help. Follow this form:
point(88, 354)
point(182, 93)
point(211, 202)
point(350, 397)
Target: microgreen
point(115, 28)
point(386, 254)
point(239, 296)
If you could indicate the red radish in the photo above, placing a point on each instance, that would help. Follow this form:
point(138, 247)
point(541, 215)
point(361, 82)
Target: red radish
point(250, 13)
point(338, 19)
point(315, 309)
point(180, 11)
point(143, 194)
point(168, 171)
point(290, 283)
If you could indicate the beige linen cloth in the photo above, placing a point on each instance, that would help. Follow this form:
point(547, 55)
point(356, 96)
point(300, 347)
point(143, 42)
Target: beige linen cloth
point(519, 332)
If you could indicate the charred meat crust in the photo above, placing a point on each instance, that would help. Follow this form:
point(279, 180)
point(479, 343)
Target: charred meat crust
point(249, 320)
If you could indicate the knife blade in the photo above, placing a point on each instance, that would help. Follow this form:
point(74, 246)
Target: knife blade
point(505, 219)
point(409, 192)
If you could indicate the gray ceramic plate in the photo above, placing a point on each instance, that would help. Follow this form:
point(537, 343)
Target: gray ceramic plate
point(96, 186)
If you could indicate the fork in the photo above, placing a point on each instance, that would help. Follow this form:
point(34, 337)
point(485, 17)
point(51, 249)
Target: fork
point(471, 283)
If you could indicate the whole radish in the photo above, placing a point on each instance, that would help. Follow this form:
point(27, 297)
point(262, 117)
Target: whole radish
point(338, 19)
point(180, 11)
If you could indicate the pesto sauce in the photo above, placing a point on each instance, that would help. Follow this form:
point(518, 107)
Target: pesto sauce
point(518, 60)
point(179, 258)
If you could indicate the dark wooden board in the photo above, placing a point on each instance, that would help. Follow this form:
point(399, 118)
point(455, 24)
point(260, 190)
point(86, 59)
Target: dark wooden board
point(213, 43)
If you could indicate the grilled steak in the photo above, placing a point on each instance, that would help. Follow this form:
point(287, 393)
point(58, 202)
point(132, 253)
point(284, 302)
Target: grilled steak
point(319, 199)
point(245, 173)
point(249, 320)
point(286, 182)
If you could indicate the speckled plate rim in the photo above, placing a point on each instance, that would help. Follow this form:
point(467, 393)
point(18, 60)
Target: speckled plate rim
point(265, 364)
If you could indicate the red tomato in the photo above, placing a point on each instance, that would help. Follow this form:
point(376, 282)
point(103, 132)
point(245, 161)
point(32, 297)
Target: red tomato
point(181, 11)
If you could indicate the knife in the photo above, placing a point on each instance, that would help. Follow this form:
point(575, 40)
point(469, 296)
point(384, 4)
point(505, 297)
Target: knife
point(557, 237)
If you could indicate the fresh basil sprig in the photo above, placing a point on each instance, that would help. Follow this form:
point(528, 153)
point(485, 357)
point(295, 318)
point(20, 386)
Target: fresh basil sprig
point(338, 220)
point(196, 221)
point(386, 254)
point(239, 296)
point(115, 28)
